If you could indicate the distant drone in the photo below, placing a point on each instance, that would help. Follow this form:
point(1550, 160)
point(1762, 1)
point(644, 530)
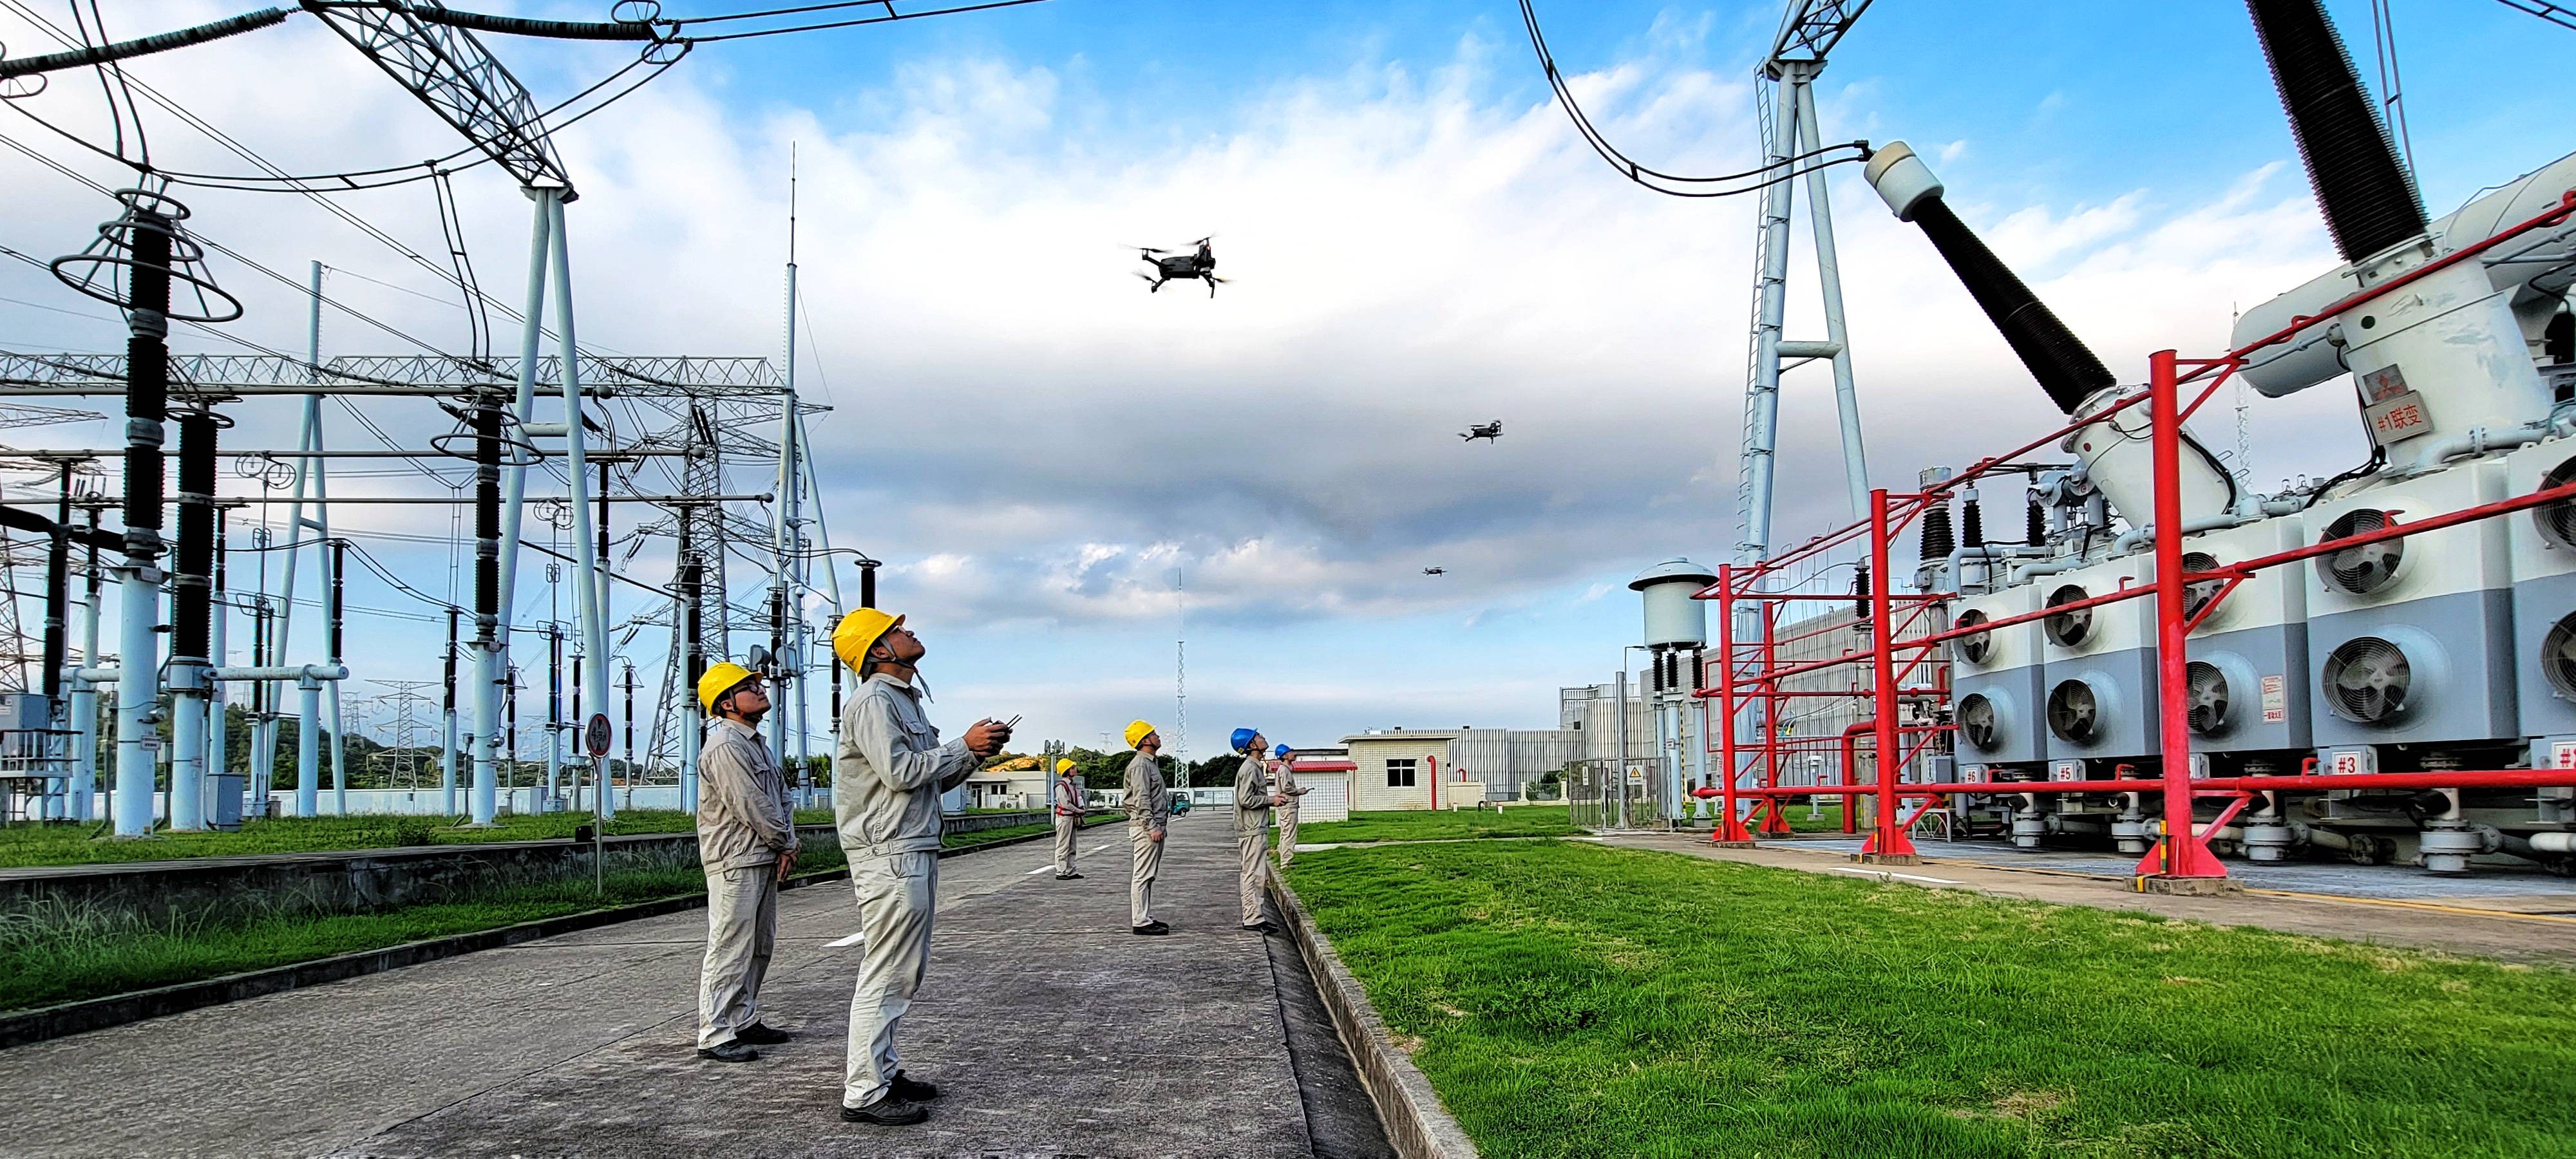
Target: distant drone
point(1172, 264)
point(1435, 571)
point(1486, 431)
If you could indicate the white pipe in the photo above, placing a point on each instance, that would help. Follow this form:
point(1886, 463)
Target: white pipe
point(138, 694)
point(2137, 537)
point(218, 747)
point(594, 629)
point(85, 716)
point(308, 745)
point(2554, 842)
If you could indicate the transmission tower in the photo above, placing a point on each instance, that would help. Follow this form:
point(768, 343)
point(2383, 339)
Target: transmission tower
point(1785, 102)
point(401, 763)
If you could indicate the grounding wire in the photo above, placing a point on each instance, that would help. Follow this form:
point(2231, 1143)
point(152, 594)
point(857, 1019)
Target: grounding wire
point(1783, 170)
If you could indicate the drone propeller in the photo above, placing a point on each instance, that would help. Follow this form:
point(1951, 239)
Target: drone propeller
point(1145, 277)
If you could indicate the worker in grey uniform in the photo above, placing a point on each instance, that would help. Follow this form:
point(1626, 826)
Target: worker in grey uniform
point(1253, 802)
point(1283, 781)
point(747, 843)
point(1068, 819)
point(887, 774)
point(1149, 813)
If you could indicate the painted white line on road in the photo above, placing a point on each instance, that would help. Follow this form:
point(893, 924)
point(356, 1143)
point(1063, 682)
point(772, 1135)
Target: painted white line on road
point(852, 940)
point(1883, 875)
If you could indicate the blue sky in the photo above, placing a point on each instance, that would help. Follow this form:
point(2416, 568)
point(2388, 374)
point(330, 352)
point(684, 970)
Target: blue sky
point(1420, 241)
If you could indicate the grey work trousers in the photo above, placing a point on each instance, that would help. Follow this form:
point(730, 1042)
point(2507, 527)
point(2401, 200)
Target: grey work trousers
point(1140, 887)
point(1287, 833)
point(742, 930)
point(897, 898)
point(1254, 863)
point(1067, 826)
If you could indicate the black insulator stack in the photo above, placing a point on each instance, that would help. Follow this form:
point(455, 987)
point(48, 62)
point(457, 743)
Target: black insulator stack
point(339, 611)
point(449, 677)
point(147, 383)
point(2035, 532)
point(1699, 670)
point(868, 584)
point(1860, 592)
point(2368, 199)
point(1938, 541)
point(1972, 522)
point(487, 523)
point(58, 585)
point(2065, 367)
point(191, 591)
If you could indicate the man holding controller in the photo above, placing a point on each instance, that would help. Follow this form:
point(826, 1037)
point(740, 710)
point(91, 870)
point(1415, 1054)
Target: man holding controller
point(887, 775)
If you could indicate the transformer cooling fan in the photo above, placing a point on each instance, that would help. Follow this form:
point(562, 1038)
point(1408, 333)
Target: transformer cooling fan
point(2362, 568)
point(2205, 697)
point(2068, 629)
point(2557, 521)
point(2072, 712)
point(2197, 594)
point(1974, 649)
point(1977, 721)
point(2366, 679)
point(2558, 656)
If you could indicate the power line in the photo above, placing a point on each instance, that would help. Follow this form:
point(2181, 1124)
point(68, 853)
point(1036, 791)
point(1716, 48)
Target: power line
point(2553, 13)
point(1788, 168)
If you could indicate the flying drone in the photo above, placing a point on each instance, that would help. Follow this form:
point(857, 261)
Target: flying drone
point(1435, 571)
point(1486, 431)
point(1170, 265)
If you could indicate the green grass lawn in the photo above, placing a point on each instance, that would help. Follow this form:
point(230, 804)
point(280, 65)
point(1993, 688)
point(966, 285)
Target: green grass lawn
point(1440, 825)
point(63, 844)
point(51, 958)
point(1568, 999)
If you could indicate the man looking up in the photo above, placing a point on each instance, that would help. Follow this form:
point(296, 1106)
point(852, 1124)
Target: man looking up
point(1253, 801)
point(887, 775)
point(1284, 782)
point(1068, 819)
point(1149, 811)
point(747, 843)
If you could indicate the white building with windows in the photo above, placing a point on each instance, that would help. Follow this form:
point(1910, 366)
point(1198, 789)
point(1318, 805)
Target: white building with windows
point(1399, 768)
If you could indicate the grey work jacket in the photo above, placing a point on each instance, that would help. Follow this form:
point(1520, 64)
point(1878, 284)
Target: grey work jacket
point(1149, 800)
point(1286, 784)
point(1251, 797)
point(889, 771)
point(743, 818)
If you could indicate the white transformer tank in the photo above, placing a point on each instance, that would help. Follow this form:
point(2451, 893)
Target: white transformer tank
point(2101, 667)
point(2543, 547)
point(2410, 640)
point(1995, 685)
point(2246, 673)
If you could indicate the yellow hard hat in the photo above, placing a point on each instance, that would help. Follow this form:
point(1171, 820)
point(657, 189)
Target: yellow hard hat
point(1064, 765)
point(720, 679)
point(1137, 732)
point(859, 631)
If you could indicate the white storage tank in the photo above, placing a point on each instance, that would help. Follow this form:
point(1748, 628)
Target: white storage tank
point(1672, 616)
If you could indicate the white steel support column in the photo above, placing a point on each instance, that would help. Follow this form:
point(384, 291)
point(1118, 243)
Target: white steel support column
point(594, 629)
point(1829, 285)
point(218, 738)
point(1762, 406)
point(138, 694)
point(782, 593)
point(308, 747)
point(84, 803)
point(491, 667)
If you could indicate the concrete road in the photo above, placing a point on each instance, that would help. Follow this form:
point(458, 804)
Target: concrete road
point(1049, 1029)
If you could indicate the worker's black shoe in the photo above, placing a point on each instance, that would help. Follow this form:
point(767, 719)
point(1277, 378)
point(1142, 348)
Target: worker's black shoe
point(1264, 926)
point(887, 1111)
point(734, 1051)
point(911, 1090)
point(1068, 877)
point(1156, 928)
point(761, 1034)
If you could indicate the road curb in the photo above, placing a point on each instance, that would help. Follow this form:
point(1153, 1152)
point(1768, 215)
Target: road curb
point(1416, 1122)
point(21, 1027)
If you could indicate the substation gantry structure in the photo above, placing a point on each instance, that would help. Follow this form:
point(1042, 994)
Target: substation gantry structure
point(712, 406)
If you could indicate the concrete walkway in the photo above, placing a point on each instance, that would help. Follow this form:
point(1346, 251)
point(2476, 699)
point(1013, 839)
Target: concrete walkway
point(2511, 921)
point(1048, 1027)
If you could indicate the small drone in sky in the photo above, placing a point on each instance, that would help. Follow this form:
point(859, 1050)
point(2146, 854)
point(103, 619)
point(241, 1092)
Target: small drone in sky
point(1435, 571)
point(1171, 265)
point(1486, 431)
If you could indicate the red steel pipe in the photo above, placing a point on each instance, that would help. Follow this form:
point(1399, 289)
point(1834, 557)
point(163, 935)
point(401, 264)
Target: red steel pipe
point(2286, 782)
point(1888, 841)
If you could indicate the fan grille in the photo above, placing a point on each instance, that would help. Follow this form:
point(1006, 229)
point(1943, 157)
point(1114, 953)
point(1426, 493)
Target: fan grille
point(2363, 568)
point(2557, 521)
point(1977, 721)
point(2366, 680)
point(2558, 656)
point(1974, 649)
point(2068, 629)
point(2207, 696)
point(2197, 594)
point(2073, 714)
